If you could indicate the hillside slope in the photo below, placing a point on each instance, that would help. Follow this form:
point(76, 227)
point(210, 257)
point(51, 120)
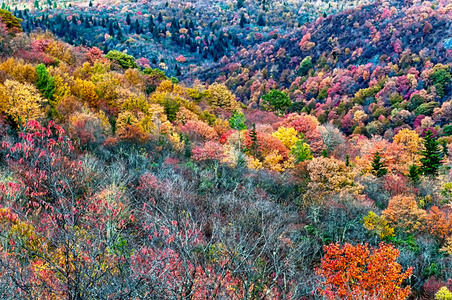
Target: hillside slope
point(294, 171)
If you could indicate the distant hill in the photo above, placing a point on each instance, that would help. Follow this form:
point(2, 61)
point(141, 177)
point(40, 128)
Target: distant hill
point(179, 37)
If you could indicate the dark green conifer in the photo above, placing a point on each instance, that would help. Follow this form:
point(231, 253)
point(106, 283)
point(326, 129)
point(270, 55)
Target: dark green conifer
point(254, 149)
point(45, 82)
point(432, 155)
point(413, 173)
point(261, 21)
point(378, 166)
point(242, 21)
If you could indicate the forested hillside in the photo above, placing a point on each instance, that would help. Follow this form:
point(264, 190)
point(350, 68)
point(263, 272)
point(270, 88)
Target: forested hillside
point(300, 151)
point(176, 36)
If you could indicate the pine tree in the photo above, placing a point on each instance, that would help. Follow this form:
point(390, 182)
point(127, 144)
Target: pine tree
point(137, 27)
point(119, 35)
point(261, 21)
point(413, 173)
point(378, 166)
point(254, 149)
point(432, 155)
point(242, 21)
point(45, 82)
point(347, 160)
point(151, 24)
point(111, 31)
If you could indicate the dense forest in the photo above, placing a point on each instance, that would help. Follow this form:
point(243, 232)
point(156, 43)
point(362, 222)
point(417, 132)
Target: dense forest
point(226, 150)
point(175, 36)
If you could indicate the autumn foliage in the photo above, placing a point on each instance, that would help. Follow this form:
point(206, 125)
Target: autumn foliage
point(241, 150)
point(357, 272)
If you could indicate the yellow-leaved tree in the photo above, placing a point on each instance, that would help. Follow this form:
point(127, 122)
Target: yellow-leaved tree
point(86, 90)
point(288, 136)
point(21, 101)
point(220, 96)
point(330, 176)
point(443, 294)
point(411, 142)
point(377, 225)
point(62, 90)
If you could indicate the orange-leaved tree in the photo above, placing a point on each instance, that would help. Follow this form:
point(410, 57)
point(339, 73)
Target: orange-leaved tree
point(403, 213)
point(357, 272)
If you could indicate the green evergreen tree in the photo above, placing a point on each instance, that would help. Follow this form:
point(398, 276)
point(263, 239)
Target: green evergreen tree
point(432, 155)
point(378, 166)
point(137, 27)
point(242, 21)
point(45, 82)
point(111, 31)
point(413, 173)
point(119, 35)
point(254, 149)
point(261, 21)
